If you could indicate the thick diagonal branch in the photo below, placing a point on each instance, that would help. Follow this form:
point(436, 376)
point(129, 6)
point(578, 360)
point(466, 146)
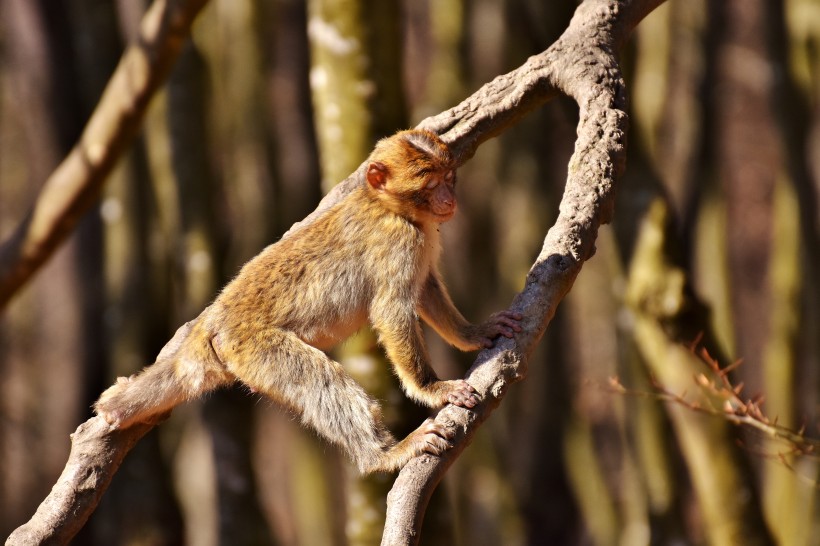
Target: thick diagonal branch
point(76, 183)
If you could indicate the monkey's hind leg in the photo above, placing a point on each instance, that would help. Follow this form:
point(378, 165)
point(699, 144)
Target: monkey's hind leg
point(185, 368)
point(329, 401)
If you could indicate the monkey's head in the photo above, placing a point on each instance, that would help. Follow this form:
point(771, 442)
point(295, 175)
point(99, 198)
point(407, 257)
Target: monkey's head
point(413, 173)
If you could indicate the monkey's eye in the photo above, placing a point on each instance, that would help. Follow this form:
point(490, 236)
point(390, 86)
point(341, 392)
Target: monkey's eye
point(449, 176)
point(432, 183)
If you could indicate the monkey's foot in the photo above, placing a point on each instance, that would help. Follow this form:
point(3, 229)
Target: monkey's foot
point(504, 323)
point(106, 406)
point(459, 393)
point(433, 438)
point(110, 404)
point(111, 416)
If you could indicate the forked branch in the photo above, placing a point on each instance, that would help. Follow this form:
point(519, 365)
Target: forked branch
point(583, 65)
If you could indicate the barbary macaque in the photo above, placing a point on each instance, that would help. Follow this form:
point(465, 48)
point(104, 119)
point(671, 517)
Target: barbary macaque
point(370, 257)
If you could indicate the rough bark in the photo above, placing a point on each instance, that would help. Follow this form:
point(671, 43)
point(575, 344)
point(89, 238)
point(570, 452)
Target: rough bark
point(96, 454)
point(581, 64)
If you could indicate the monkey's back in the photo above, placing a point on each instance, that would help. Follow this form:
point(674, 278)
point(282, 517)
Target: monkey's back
point(319, 282)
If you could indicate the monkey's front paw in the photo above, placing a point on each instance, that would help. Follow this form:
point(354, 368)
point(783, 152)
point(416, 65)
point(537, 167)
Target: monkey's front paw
point(460, 393)
point(436, 437)
point(504, 323)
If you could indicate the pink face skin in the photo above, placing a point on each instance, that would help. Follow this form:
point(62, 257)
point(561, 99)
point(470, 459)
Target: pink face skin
point(441, 187)
point(434, 202)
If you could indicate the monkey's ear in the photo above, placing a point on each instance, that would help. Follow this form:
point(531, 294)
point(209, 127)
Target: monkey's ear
point(377, 174)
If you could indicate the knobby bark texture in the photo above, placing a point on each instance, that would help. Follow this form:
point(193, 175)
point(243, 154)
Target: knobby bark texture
point(96, 454)
point(581, 64)
point(75, 185)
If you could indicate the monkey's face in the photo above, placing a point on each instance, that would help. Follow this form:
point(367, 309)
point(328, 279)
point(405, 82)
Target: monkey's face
point(428, 195)
point(439, 193)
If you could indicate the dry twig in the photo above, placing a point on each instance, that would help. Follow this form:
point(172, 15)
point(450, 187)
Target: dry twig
point(718, 396)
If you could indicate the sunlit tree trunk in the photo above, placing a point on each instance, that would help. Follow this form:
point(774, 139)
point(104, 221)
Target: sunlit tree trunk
point(351, 108)
point(791, 353)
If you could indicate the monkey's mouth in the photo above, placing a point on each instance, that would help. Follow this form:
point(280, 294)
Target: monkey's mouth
point(443, 212)
point(444, 216)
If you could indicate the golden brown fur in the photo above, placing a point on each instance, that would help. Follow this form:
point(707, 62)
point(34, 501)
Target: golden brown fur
point(373, 256)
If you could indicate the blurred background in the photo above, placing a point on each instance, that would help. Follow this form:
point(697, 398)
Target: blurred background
point(716, 238)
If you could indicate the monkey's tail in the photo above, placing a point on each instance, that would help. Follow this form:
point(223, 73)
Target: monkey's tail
point(185, 368)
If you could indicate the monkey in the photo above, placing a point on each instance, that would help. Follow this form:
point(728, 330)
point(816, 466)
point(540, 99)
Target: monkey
point(371, 257)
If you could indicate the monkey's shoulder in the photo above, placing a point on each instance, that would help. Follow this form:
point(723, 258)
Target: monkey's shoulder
point(354, 245)
point(360, 224)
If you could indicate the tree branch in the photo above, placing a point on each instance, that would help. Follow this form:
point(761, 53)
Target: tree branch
point(76, 183)
point(573, 65)
point(96, 454)
point(583, 65)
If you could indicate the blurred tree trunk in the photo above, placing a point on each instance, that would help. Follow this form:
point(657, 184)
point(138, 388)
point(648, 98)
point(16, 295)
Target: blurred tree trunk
point(665, 148)
point(139, 504)
point(793, 38)
point(604, 486)
point(229, 38)
point(290, 115)
point(357, 96)
point(670, 76)
point(228, 414)
point(724, 486)
point(788, 496)
point(47, 346)
point(763, 256)
point(793, 350)
point(748, 158)
point(665, 316)
point(436, 63)
point(680, 147)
